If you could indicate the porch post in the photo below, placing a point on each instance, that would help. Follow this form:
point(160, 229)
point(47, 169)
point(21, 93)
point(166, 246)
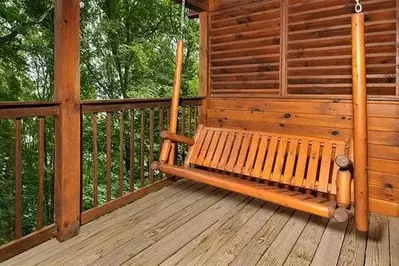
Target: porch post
point(360, 122)
point(203, 64)
point(67, 91)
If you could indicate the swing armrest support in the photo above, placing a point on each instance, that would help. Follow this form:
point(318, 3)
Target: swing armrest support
point(177, 138)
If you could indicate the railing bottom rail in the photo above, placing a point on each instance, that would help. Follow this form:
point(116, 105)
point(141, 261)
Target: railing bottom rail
point(15, 247)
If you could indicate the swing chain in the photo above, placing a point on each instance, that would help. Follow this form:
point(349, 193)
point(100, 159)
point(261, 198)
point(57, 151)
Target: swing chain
point(183, 10)
point(358, 6)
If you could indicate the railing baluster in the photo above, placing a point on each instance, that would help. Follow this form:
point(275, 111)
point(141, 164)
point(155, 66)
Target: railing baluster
point(189, 122)
point(167, 117)
point(141, 114)
point(109, 154)
point(161, 113)
point(121, 148)
point(161, 128)
point(132, 170)
point(142, 125)
point(151, 158)
point(195, 118)
point(40, 192)
point(18, 179)
point(183, 129)
point(95, 160)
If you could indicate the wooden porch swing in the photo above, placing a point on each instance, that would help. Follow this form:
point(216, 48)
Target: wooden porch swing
point(309, 174)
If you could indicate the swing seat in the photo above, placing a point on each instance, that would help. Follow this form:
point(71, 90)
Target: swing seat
point(293, 171)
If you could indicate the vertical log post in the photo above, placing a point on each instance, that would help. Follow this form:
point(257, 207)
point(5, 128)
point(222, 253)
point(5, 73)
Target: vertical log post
point(67, 91)
point(360, 122)
point(174, 108)
point(203, 64)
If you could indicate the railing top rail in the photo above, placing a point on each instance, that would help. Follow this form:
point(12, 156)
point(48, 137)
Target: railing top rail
point(128, 104)
point(30, 104)
point(16, 110)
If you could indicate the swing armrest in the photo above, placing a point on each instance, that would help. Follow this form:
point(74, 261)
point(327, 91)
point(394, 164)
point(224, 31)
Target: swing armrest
point(177, 138)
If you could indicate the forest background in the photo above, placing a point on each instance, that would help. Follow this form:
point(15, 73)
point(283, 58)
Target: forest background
point(127, 51)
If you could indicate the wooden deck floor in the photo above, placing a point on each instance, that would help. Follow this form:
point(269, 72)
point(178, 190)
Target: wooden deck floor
point(192, 224)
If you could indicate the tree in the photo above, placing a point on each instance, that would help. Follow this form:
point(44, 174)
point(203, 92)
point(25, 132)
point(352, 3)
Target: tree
point(127, 51)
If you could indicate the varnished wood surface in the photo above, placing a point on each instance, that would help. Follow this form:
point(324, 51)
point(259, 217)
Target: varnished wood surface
point(298, 47)
point(332, 119)
point(191, 224)
point(288, 159)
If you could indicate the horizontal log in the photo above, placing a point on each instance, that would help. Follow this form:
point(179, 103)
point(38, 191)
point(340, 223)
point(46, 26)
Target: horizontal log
point(130, 104)
point(249, 188)
point(177, 138)
point(375, 137)
point(383, 180)
point(18, 246)
point(294, 118)
point(384, 207)
point(228, 8)
point(307, 105)
point(13, 110)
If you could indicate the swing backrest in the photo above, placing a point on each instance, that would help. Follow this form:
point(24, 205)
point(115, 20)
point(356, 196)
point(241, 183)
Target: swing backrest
point(298, 161)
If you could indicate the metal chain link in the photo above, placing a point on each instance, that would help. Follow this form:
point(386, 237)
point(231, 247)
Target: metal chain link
point(183, 11)
point(358, 7)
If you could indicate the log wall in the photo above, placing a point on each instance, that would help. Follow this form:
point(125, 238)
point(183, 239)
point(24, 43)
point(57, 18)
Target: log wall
point(328, 119)
point(298, 47)
point(284, 66)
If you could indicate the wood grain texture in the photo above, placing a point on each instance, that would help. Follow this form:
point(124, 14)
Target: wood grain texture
point(353, 251)
point(230, 250)
point(394, 240)
point(304, 249)
point(203, 253)
point(330, 244)
point(254, 250)
point(68, 122)
point(285, 241)
point(190, 220)
point(293, 160)
point(378, 241)
point(331, 119)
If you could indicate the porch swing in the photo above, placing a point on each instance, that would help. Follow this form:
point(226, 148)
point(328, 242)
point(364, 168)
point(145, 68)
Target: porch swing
point(309, 174)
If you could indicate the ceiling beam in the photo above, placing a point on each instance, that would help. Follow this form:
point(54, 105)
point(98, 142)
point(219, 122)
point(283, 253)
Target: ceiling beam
point(196, 5)
point(193, 14)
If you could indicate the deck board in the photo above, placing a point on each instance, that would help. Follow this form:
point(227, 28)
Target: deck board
point(305, 248)
point(192, 224)
point(378, 241)
point(330, 245)
point(203, 252)
point(354, 247)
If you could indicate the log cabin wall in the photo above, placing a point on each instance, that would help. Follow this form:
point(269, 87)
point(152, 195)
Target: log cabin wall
point(285, 66)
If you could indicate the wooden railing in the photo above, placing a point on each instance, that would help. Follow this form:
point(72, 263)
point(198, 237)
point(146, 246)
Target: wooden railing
point(26, 130)
point(121, 139)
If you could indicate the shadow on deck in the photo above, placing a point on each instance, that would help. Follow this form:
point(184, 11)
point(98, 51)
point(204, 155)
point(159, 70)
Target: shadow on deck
point(192, 224)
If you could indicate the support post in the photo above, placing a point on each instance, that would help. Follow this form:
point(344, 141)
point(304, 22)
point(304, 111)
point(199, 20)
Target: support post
point(174, 108)
point(67, 91)
point(203, 65)
point(360, 122)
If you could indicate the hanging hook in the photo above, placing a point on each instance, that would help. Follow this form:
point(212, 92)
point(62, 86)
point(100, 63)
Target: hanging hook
point(358, 7)
point(183, 9)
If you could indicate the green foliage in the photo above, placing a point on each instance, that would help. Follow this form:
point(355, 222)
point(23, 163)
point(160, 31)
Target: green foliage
point(127, 51)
